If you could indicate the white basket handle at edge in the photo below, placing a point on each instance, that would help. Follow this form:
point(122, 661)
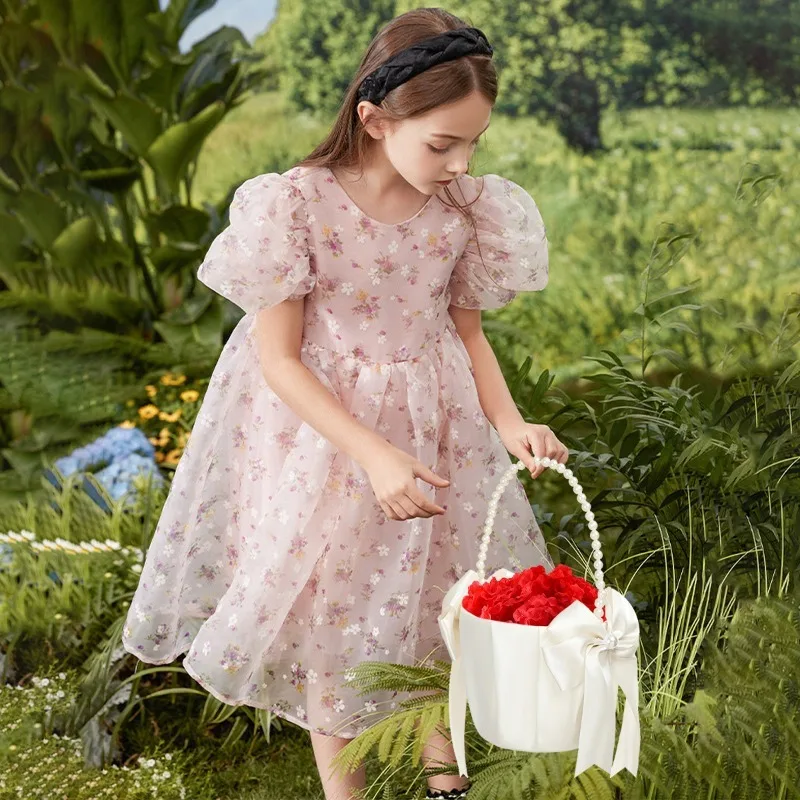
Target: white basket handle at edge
point(584, 503)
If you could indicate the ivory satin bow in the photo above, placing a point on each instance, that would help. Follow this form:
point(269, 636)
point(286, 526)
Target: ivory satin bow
point(576, 647)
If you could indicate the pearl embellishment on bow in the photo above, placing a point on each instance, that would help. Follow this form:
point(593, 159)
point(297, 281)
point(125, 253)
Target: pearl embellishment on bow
point(610, 641)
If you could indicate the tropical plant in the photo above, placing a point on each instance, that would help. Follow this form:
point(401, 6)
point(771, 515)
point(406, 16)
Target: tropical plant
point(102, 121)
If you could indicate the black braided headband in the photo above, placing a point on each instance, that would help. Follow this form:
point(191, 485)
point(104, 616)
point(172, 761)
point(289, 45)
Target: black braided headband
point(421, 56)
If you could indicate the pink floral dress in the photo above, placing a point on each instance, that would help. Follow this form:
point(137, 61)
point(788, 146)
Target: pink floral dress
point(273, 567)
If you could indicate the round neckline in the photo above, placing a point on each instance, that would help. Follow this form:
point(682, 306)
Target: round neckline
point(372, 219)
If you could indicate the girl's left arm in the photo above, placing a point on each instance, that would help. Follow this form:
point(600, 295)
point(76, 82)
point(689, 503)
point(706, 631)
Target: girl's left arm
point(521, 439)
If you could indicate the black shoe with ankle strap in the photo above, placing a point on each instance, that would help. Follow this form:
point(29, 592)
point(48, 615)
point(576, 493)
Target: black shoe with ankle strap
point(441, 794)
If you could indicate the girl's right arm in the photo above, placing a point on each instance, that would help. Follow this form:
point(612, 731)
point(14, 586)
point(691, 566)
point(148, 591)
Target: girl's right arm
point(392, 471)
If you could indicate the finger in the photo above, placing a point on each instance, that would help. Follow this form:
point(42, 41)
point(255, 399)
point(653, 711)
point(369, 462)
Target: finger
point(389, 511)
point(417, 509)
point(398, 509)
point(429, 476)
point(522, 453)
point(532, 448)
point(553, 446)
point(411, 508)
point(423, 503)
point(538, 446)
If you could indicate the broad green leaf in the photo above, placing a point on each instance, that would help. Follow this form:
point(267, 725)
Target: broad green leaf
point(180, 223)
point(74, 243)
point(108, 169)
point(221, 38)
point(11, 236)
point(173, 151)
point(177, 17)
point(206, 331)
point(41, 215)
point(61, 115)
point(55, 21)
point(162, 85)
point(97, 83)
point(615, 433)
point(8, 183)
point(138, 123)
point(99, 24)
point(213, 88)
point(112, 179)
point(171, 257)
point(190, 311)
point(137, 34)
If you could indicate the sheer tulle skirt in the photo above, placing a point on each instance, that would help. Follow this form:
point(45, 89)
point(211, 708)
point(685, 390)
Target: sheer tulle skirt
point(274, 569)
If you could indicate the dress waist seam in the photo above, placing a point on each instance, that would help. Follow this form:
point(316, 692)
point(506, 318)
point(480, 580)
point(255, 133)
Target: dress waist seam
point(354, 357)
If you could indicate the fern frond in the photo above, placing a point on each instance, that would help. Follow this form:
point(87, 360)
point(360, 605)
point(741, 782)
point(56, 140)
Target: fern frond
point(593, 785)
point(391, 736)
point(431, 719)
point(377, 676)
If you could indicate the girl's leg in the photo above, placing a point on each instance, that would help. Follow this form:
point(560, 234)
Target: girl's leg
point(437, 752)
point(336, 786)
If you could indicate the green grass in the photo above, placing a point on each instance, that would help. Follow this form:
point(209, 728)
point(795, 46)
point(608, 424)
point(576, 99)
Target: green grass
point(285, 771)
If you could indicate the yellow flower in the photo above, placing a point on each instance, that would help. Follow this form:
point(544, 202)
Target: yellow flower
point(127, 424)
point(148, 412)
point(173, 457)
point(190, 395)
point(170, 417)
point(159, 457)
point(151, 390)
point(172, 380)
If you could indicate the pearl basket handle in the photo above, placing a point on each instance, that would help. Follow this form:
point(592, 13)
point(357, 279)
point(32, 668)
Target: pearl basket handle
point(506, 478)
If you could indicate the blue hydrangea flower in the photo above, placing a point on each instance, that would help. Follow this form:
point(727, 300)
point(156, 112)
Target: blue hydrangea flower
point(117, 478)
point(115, 459)
point(112, 445)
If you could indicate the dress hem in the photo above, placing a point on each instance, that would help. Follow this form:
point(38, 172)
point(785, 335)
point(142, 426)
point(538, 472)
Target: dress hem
point(288, 717)
point(214, 693)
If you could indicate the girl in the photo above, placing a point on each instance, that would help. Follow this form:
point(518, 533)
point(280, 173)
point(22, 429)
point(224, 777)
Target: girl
point(340, 468)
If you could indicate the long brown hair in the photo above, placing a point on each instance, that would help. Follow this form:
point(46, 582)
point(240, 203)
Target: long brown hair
point(348, 141)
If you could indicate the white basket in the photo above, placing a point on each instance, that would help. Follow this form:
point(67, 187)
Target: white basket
point(546, 689)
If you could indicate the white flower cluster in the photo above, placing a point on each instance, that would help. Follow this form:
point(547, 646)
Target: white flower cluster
point(43, 693)
point(49, 770)
point(152, 764)
point(73, 548)
point(53, 766)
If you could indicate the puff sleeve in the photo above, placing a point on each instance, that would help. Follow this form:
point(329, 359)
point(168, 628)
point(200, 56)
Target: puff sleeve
point(262, 257)
point(513, 242)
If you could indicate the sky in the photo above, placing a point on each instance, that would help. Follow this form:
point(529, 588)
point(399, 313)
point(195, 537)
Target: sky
point(251, 17)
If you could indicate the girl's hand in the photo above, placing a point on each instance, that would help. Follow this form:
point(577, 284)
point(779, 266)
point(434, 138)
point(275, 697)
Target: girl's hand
point(526, 439)
point(392, 475)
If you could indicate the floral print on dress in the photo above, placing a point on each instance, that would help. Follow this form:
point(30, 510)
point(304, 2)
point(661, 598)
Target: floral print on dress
point(273, 568)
